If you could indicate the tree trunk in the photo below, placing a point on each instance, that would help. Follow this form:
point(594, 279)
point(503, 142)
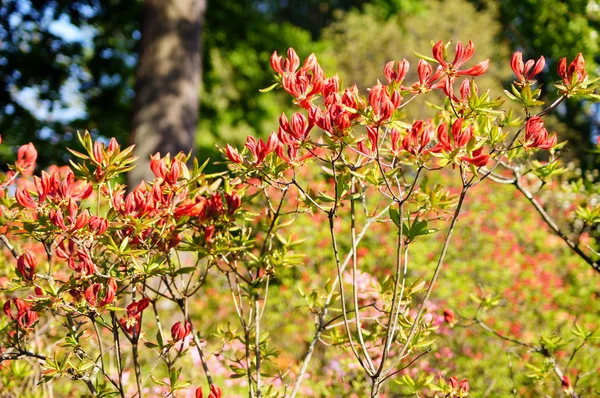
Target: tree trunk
point(168, 80)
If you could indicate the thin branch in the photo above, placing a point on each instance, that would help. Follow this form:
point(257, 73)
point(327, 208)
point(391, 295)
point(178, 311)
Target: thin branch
point(554, 227)
point(321, 325)
point(436, 273)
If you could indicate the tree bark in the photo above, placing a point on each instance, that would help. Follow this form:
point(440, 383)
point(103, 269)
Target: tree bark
point(168, 80)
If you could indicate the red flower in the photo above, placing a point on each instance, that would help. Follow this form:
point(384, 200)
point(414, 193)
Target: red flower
point(524, 72)
point(233, 154)
point(536, 135)
point(98, 224)
point(461, 137)
point(26, 157)
point(448, 316)
point(92, 293)
point(566, 385)
point(24, 198)
point(382, 104)
point(215, 392)
point(289, 65)
point(462, 55)
point(477, 158)
point(576, 72)
point(260, 149)
point(295, 132)
point(209, 231)
point(304, 83)
point(179, 331)
point(417, 137)
point(26, 264)
point(27, 319)
point(131, 322)
point(398, 75)
point(233, 201)
point(427, 78)
point(457, 388)
point(19, 305)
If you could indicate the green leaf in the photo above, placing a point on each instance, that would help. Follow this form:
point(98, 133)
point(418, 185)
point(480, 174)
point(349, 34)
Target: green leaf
point(425, 57)
point(395, 215)
point(270, 88)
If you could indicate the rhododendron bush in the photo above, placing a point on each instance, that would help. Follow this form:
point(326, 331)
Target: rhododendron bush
point(322, 263)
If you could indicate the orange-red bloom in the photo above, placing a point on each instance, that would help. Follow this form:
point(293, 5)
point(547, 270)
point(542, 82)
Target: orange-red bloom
point(575, 73)
point(536, 135)
point(179, 331)
point(524, 72)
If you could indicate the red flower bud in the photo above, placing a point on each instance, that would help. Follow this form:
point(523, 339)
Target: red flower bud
point(448, 316)
point(180, 331)
point(215, 391)
point(575, 73)
point(113, 146)
point(397, 75)
point(209, 231)
point(26, 265)
point(566, 385)
point(98, 224)
point(26, 157)
point(524, 72)
point(536, 135)
point(24, 198)
point(91, 294)
point(233, 202)
point(98, 152)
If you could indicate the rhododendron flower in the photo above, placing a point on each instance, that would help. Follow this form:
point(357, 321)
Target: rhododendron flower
point(477, 159)
point(304, 83)
point(233, 201)
point(131, 322)
point(180, 331)
point(27, 319)
point(427, 78)
point(462, 55)
point(289, 65)
point(98, 224)
point(448, 316)
point(382, 103)
point(26, 264)
point(233, 155)
point(460, 389)
point(331, 86)
point(24, 198)
point(209, 231)
point(465, 91)
point(215, 392)
point(460, 137)
point(260, 149)
point(19, 305)
point(566, 385)
point(417, 137)
point(92, 293)
point(536, 135)
point(524, 72)
point(575, 73)
point(296, 131)
point(26, 157)
point(340, 112)
point(396, 75)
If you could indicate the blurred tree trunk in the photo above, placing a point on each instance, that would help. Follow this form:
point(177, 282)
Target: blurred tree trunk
point(168, 80)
